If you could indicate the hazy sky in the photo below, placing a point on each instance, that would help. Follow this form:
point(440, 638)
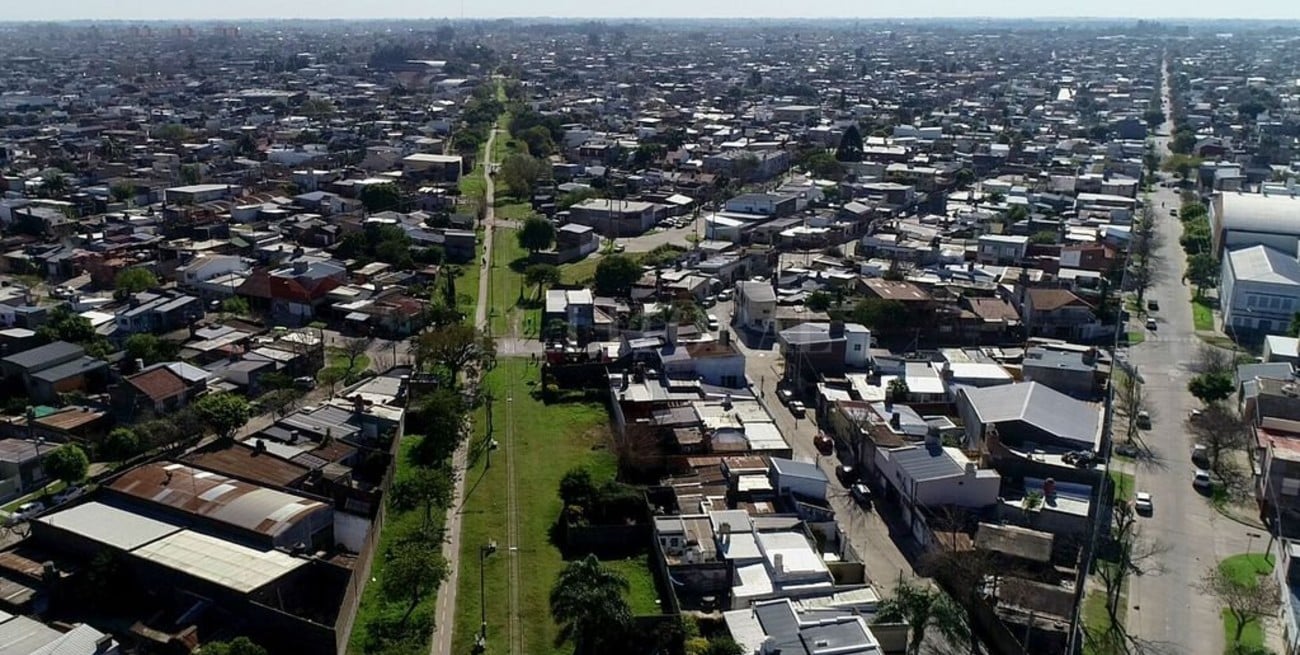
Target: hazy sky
point(232, 9)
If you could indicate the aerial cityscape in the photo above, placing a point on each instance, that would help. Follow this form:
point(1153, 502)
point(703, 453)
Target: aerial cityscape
point(648, 336)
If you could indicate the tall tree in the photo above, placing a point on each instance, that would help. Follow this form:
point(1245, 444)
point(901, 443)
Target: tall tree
point(542, 275)
point(587, 602)
point(924, 608)
point(223, 412)
point(1210, 388)
point(1203, 271)
point(520, 174)
point(1221, 430)
point(536, 234)
point(453, 348)
point(615, 275)
point(381, 197)
point(1247, 603)
point(353, 350)
point(424, 487)
point(414, 569)
point(134, 280)
point(67, 463)
point(850, 148)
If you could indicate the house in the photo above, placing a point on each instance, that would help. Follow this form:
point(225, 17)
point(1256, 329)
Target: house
point(1281, 349)
point(20, 466)
point(1259, 289)
point(1288, 577)
point(1028, 415)
point(55, 368)
point(572, 242)
point(158, 313)
point(1072, 372)
point(755, 307)
point(929, 475)
point(1002, 249)
point(777, 626)
point(160, 389)
point(1056, 313)
point(440, 168)
point(762, 204)
point(197, 194)
point(21, 634)
point(616, 218)
point(575, 309)
point(815, 349)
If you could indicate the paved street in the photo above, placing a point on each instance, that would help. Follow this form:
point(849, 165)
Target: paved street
point(1165, 608)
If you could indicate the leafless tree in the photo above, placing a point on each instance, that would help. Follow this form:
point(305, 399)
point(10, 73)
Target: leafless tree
point(353, 349)
point(1213, 360)
point(1221, 430)
point(1130, 401)
point(1127, 554)
point(1246, 603)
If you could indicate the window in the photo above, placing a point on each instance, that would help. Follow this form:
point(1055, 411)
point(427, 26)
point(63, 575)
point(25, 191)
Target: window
point(1250, 301)
point(1290, 486)
point(857, 347)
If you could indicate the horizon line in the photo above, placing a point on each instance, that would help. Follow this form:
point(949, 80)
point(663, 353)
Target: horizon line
point(593, 19)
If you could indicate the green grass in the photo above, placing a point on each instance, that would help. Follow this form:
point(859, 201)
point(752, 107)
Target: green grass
point(505, 308)
point(642, 595)
point(1202, 316)
point(1136, 336)
point(1096, 625)
point(1245, 569)
point(373, 602)
point(548, 441)
point(49, 489)
point(1124, 486)
point(583, 271)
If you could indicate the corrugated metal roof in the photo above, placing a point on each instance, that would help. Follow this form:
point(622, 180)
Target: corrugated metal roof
point(218, 561)
point(109, 525)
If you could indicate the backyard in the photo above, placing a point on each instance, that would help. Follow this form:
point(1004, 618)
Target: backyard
point(570, 435)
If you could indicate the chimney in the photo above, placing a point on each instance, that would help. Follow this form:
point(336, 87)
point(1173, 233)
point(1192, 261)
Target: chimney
point(778, 562)
point(896, 421)
point(724, 337)
point(139, 364)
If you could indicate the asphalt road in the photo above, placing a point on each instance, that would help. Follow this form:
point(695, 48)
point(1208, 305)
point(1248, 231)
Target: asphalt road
point(1165, 609)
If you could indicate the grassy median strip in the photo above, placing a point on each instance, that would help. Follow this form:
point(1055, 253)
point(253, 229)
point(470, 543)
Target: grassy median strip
point(1202, 315)
point(548, 441)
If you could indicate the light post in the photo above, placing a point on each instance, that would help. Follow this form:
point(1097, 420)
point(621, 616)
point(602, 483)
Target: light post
point(483, 551)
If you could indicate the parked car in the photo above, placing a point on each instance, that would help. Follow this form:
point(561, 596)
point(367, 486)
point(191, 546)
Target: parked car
point(1201, 456)
point(1144, 420)
point(26, 511)
point(724, 295)
point(797, 409)
point(1153, 305)
point(709, 301)
point(713, 323)
point(1142, 503)
point(70, 493)
point(1201, 479)
point(861, 493)
point(1151, 323)
point(784, 395)
point(305, 382)
point(847, 475)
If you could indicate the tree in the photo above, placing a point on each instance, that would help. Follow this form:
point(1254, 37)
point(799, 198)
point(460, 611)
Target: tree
point(1211, 387)
point(280, 401)
point(824, 165)
point(453, 348)
point(587, 602)
point(850, 148)
point(897, 390)
point(923, 608)
point(224, 412)
point(353, 350)
point(1246, 602)
point(744, 167)
point(236, 646)
point(615, 275)
point(134, 280)
point(330, 377)
point(381, 197)
point(191, 174)
point(149, 348)
point(536, 234)
point(1044, 237)
point(441, 415)
point(520, 173)
point(1203, 271)
point(121, 443)
point(424, 487)
point(414, 568)
point(1293, 330)
point(818, 301)
point(542, 275)
point(235, 305)
point(538, 139)
point(67, 463)
point(1220, 430)
point(1128, 555)
point(122, 191)
point(63, 325)
point(880, 315)
point(964, 178)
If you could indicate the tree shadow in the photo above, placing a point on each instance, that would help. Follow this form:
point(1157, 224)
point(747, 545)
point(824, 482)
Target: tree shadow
point(520, 264)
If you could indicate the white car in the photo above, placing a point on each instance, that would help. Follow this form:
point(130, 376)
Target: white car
point(1142, 503)
point(1201, 479)
point(26, 511)
point(713, 323)
point(71, 493)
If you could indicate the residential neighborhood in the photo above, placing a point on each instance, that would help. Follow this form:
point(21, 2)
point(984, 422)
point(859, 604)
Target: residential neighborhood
point(661, 337)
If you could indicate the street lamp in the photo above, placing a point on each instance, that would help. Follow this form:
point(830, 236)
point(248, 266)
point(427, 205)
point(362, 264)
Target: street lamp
point(483, 551)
